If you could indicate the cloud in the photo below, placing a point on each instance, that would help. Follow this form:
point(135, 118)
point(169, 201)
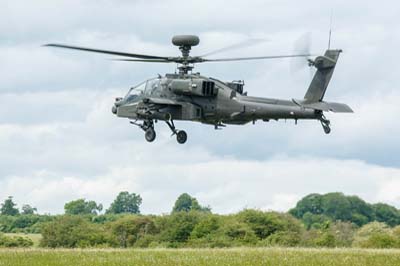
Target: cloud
point(82, 150)
point(227, 185)
point(59, 140)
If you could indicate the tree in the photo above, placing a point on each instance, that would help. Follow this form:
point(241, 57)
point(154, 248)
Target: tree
point(8, 207)
point(126, 203)
point(337, 206)
point(309, 204)
point(387, 214)
point(362, 212)
point(28, 209)
point(81, 206)
point(316, 221)
point(187, 203)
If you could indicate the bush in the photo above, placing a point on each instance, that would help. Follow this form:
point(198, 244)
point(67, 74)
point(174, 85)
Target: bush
point(15, 241)
point(236, 232)
point(71, 232)
point(207, 226)
point(375, 235)
point(282, 239)
point(266, 224)
point(343, 233)
point(325, 239)
point(330, 234)
point(318, 238)
point(133, 231)
point(262, 223)
point(177, 227)
point(29, 223)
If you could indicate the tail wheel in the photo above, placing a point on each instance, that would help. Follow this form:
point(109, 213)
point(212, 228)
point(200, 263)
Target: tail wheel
point(326, 126)
point(150, 135)
point(181, 136)
point(327, 129)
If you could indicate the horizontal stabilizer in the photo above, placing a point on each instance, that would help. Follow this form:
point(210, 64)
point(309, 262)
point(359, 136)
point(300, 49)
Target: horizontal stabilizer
point(325, 106)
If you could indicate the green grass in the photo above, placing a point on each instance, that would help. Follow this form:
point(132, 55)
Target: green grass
point(34, 237)
point(215, 257)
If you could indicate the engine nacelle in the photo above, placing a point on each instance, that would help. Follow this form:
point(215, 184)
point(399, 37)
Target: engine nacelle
point(194, 87)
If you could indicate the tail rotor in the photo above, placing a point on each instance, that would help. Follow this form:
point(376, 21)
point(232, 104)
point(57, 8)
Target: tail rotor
point(302, 45)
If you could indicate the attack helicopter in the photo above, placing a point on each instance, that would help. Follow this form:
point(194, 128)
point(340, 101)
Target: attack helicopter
point(189, 96)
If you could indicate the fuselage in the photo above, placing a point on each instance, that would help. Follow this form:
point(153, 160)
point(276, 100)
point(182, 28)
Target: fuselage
point(223, 105)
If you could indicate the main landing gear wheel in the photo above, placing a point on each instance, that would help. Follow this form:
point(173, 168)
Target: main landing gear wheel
point(150, 135)
point(181, 136)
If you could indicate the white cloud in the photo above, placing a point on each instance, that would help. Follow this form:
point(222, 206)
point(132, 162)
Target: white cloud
point(227, 185)
point(59, 141)
point(96, 155)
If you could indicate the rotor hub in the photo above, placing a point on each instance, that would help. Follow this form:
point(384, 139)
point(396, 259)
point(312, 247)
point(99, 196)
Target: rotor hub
point(185, 43)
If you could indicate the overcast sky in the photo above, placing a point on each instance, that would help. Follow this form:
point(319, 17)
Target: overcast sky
point(59, 140)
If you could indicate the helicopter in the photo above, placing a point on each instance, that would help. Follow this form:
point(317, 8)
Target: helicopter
point(189, 96)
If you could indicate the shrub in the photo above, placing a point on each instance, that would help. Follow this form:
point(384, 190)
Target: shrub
point(15, 241)
point(262, 223)
point(237, 232)
point(375, 235)
point(207, 226)
point(131, 229)
point(343, 232)
point(72, 231)
point(177, 227)
point(282, 239)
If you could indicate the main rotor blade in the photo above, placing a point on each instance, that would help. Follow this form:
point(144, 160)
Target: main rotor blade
point(144, 60)
point(246, 43)
point(255, 58)
point(106, 51)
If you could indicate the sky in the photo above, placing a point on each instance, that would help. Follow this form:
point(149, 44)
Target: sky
point(59, 140)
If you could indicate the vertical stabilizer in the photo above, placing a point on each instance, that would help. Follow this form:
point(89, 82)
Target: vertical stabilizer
point(325, 66)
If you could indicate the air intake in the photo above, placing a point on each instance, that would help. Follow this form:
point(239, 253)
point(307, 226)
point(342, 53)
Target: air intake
point(208, 88)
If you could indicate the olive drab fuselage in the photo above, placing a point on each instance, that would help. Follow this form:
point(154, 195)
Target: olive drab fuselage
point(184, 97)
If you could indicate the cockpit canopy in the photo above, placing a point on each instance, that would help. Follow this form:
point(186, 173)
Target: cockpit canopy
point(146, 88)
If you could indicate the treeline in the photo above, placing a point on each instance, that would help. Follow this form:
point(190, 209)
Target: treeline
point(330, 220)
point(316, 209)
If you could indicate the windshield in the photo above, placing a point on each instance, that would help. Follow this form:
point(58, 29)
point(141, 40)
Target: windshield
point(148, 88)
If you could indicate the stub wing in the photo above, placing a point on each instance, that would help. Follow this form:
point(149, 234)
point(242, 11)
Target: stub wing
point(161, 101)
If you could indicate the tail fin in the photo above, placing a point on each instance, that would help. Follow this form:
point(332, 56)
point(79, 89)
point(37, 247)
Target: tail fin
point(325, 66)
point(313, 99)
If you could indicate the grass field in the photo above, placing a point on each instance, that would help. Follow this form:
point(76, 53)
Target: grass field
point(231, 257)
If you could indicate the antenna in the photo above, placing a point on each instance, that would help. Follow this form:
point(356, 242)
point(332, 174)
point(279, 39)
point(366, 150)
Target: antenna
point(330, 32)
